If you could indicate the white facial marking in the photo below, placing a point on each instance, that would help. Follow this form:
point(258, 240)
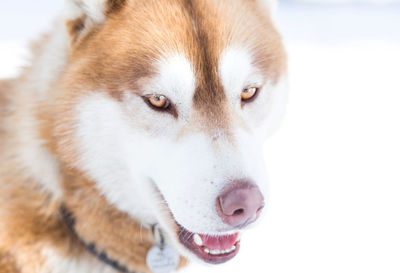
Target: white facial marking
point(109, 154)
point(237, 72)
point(176, 80)
point(120, 157)
point(103, 139)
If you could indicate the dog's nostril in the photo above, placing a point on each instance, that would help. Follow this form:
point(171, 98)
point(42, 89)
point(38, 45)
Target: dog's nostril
point(238, 212)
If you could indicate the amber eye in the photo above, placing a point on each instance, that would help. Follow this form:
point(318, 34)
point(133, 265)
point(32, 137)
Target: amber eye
point(158, 101)
point(249, 93)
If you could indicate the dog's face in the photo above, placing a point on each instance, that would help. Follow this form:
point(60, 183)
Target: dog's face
point(168, 104)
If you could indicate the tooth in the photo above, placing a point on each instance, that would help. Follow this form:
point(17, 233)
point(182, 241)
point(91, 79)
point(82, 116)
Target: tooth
point(197, 240)
point(215, 252)
point(206, 250)
point(232, 248)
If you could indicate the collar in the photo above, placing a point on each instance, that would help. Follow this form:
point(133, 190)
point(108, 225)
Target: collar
point(102, 256)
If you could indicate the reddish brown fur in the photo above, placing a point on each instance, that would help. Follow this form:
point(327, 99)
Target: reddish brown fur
point(112, 231)
point(7, 263)
point(4, 88)
point(30, 222)
point(75, 27)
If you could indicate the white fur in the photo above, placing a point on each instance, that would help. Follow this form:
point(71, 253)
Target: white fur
point(269, 5)
point(237, 72)
point(94, 9)
point(56, 263)
point(38, 163)
point(278, 99)
point(50, 62)
point(109, 156)
point(72, 10)
point(176, 80)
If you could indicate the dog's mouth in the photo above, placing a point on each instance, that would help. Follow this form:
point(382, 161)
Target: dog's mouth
point(213, 249)
point(209, 248)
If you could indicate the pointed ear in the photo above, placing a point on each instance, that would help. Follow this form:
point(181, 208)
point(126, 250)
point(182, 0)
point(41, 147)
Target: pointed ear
point(81, 15)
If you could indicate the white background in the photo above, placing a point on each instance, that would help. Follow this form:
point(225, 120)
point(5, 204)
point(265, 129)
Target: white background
point(335, 163)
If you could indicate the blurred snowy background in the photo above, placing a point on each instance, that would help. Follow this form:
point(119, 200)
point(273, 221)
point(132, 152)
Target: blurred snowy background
point(335, 163)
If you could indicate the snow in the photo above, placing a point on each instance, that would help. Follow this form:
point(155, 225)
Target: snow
point(335, 163)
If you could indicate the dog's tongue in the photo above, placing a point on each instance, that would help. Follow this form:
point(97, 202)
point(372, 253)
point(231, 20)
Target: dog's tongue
point(219, 242)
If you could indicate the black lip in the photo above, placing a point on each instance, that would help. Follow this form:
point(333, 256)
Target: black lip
point(186, 238)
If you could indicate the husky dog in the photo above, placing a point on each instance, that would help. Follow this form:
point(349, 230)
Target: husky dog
point(135, 113)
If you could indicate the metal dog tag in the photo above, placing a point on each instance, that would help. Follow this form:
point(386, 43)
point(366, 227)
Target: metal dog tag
point(162, 259)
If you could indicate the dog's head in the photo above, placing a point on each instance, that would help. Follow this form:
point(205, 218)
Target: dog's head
point(166, 106)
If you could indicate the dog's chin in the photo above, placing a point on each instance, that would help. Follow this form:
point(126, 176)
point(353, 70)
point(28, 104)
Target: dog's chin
point(213, 249)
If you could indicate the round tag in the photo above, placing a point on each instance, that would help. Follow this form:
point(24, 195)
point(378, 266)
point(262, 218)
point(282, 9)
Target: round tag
point(162, 259)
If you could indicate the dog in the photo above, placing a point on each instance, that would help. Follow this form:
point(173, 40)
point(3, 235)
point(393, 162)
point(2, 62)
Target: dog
point(139, 124)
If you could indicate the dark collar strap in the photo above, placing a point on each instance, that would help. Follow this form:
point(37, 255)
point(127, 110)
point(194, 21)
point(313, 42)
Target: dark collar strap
point(160, 239)
point(102, 256)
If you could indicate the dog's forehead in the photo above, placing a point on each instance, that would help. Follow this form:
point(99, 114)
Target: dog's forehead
point(199, 29)
point(213, 43)
point(198, 49)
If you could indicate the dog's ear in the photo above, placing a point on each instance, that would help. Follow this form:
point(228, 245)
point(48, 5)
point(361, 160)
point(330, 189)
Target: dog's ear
point(80, 15)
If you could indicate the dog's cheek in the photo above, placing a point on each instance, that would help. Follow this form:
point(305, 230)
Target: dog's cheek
point(269, 108)
point(191, 178)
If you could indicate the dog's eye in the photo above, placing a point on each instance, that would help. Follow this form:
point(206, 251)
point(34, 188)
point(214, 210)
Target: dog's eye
point(160, 102)
point(248, 94)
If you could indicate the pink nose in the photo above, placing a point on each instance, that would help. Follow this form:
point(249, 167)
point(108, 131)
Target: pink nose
point(240, 204)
